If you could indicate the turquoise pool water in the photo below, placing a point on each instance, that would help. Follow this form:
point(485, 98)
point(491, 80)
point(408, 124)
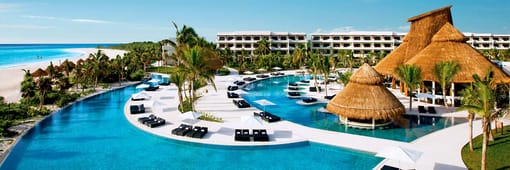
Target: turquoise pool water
point(273, 90)
point(94, 134)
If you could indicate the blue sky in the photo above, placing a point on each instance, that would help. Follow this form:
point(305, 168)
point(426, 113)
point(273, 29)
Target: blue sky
point(91, 21)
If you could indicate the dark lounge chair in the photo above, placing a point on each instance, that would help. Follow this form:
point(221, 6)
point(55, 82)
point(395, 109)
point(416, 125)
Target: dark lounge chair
point(432, 110)
point(249, 79)
point(314, 89)
point(260, 135)
point(295, 94)
point(268, 117)
point(239, 83)
point(181, 127)
point(293, 84)
point(305, 81)
point(184, 131)
point(142, 120)
point(155, 122)
point(232, 88)
point(262, 76)
point(195, 129)
point(293, 88)
point(330, 97)
point(242, 135)
point(152, 88)
point(134, 109)
point(241, 103)
point(232, 95)
point(387, 167)
point(201, 133)
point(421, 109)
point(309, 100)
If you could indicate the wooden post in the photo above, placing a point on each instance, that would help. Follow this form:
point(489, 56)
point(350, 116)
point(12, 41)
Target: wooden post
point(394, 85)
point(433, 92)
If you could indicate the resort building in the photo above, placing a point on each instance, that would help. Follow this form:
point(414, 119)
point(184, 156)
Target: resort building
point(358, 42)
point(283, 42)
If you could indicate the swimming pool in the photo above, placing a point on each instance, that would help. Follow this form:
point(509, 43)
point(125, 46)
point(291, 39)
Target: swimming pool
point(94, 134)
point(273, 90)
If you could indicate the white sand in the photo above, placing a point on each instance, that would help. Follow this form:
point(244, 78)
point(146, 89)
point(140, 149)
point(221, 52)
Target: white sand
point(12, 77)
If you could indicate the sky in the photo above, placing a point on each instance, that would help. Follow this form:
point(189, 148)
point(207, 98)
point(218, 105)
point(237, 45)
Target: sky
point(123, 21)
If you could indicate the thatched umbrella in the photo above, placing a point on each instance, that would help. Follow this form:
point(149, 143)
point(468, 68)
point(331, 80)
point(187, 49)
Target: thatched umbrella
point(423, 27)
point(449, 44)
point(39, 72)
point(366, 98)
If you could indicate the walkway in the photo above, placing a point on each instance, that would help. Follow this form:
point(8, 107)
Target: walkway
point(441, 149)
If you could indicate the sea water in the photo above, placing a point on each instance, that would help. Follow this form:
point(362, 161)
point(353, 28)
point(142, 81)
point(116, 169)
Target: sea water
point(21, 54)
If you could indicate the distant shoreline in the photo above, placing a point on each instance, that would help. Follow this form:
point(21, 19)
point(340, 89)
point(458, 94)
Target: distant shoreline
point(10, 89)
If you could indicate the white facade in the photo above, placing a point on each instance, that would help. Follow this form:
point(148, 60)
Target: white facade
point(357, 42)
point(283, 42)
point(330, 43)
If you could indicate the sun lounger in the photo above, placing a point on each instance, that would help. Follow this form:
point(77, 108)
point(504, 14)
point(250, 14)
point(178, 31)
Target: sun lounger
point(142, 120)
point(232, 88)
point(314, 89)
point(309, 100)
point(232, 95)
point(293, 84)
point(239, 83)
point(134, 109)
point(293, 88)
point(191, 133)
point(387, 167)
point(293, 95)
point(152, 88)
point(155, 122)
point(260, 135)
point(181, 127)
point(330, 97)
point(305, 81)
point(242, 135)
point(432, 110)
point(421, 109)
point(184, 130)
point(241, 103)
point(262, 76)
point(249, 79)
point(201, 133)
point(268, 117)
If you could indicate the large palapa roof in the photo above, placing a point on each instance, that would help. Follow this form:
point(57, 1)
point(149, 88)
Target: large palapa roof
point(423, 28)
point(449, 44)
point(366, 98)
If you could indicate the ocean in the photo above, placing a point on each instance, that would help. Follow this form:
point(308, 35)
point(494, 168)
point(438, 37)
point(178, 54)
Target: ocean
point(21, 54)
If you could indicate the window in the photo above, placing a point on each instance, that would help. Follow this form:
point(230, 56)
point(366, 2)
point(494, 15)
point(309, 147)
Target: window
point(325, 38)
point(346, 45)
point(283, 38)
point(387, 45)
point(230, 38)
point(336, 38)
point(346, 38)
point(366, 45)
point(397, 38)
point(377, 45)
point(357, 45)
point(247, 45)
point(222, 38)
point(274, 38)
point(356, 38)
point(230, 45)
point(366, 38)
point(239, 38)
point(387, 38)
point(239, 46)
point(256, 38)
point(315, 38)
point(377, 38)
point(336, 45)
point(315, 45)
point(301, 38)
point(247, 38)
point(283, 45)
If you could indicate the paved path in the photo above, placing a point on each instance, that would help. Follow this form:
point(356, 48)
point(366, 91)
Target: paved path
point(441, 149)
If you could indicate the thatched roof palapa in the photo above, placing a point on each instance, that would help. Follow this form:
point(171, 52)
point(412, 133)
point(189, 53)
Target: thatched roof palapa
point(39, 72)
point(423, 28)
point(366, 98)
point(449, 44)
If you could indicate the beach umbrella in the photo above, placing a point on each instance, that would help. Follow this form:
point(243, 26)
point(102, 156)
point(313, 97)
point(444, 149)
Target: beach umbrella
point(191, 115)
point(248, 72)
point(261, 70)
point(142, 86)
point(251, 122)
point(277, 68)
point(39, 72)
point(399, 153)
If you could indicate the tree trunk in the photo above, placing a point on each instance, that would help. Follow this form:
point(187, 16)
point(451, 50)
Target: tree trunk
point(485, 131)
point(471, 116)
point(41, 99)
point(444, 98)
point(410, 102)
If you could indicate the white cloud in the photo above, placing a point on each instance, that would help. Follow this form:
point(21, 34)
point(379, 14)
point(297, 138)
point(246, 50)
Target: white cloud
point(24, 26)
point(338, 29)
point(90, 21)
point(38, 17)
point(4, 7)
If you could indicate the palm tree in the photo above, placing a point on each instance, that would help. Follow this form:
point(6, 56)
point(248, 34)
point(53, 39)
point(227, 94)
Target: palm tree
point(469, 97)
point(298, 55)
point(315, 67)
point(118, 64)
point(411, 75)
point(326, 69)
point(483, 105)
point(197, 69)
point(67, 66)
point(344, 77)
point(96, 65)
point(43, 85)
point(178, 78)
point(263, 47)
point(27, 85)
point(444, 72)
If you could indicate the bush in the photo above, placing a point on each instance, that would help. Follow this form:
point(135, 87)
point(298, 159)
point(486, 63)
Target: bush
point(4, 125)
point(185, 107)
point(136, 76)
point(223, 71)
point(211, 118)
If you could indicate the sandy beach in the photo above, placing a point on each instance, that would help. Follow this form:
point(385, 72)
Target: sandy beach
point(13, 76)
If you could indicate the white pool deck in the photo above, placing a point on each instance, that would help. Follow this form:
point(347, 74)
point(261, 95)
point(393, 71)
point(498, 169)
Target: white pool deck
point(441, 149)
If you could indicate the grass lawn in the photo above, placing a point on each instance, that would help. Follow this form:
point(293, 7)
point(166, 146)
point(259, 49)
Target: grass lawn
point(498, 151)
